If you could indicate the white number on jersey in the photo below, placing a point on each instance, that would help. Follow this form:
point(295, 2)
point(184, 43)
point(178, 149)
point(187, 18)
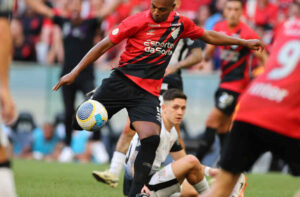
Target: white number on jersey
point(288, 58)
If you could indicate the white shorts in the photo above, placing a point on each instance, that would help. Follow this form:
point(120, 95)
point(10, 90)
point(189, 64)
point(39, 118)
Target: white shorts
point(7, 184)
point(164, 183)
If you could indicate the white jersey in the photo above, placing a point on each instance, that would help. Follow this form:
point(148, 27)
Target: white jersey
point(167, 141)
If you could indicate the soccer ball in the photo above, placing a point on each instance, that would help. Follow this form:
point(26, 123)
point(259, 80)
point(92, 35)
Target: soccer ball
point(91, 115)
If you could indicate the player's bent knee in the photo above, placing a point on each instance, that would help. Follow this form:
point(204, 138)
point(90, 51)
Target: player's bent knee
point(192, 160)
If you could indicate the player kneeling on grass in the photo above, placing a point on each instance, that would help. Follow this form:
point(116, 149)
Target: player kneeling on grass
point(167, 181)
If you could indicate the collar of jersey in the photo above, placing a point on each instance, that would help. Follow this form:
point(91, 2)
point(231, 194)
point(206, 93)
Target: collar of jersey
point(169, 20)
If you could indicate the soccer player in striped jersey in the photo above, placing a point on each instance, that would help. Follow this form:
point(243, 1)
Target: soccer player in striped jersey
point(235, 75)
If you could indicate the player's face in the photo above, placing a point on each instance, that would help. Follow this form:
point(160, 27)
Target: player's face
point(232, 12)
point(174, 110)
point(160, 9)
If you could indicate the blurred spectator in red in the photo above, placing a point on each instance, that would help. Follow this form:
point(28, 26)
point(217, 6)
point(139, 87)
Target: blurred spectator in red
point(32, 24)
point(24, 50)
point(124, 10)
point(190, 8)
point(50, 48)
point(284, 6)
point(202, 15)
point(262, 12)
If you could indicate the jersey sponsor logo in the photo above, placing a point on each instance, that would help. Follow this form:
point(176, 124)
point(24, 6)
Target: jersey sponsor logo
point(229, 55)
point(154, 25)
point(225, 100)
point(268, 91)
point(115, 31)
point(158, 47)
point(292, 27)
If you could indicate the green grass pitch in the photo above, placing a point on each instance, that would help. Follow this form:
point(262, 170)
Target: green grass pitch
point(51, 179)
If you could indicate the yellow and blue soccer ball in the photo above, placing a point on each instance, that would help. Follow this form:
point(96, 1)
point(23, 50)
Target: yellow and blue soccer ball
point(91, 115)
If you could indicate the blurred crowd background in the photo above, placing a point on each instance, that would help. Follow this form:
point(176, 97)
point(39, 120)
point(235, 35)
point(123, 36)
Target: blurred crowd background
point(38, 41)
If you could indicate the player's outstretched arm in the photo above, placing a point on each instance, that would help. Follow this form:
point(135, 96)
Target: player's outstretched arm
point(98, 50)
point(194, 58)
point(216, 38)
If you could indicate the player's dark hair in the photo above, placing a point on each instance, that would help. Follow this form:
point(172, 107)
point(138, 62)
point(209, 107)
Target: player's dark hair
point(172, 94)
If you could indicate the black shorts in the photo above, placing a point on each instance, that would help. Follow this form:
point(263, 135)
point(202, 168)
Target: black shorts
point(247, 142)
point(225, 100)
point(6, 7)
point(118, 92)
point(127, 183)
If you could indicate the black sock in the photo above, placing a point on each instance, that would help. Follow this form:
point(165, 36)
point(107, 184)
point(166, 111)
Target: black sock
point(223, 138)
point(143, 163)
point(206, 141)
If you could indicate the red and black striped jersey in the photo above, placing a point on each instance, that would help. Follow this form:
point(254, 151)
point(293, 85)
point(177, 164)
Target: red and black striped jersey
point(235, 59)
point(150, 46)
point(272, 101)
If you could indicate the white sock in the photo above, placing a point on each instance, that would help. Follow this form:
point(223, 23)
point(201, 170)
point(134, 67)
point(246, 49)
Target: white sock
point(201, 186)
point(117, 163)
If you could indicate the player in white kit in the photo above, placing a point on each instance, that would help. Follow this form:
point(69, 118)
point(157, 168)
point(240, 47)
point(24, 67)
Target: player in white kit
point(167, 181)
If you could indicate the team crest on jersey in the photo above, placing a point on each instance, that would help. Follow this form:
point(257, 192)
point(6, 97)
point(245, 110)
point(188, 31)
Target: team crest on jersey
point(175, 33)
point(115, 31)
point(225, 100)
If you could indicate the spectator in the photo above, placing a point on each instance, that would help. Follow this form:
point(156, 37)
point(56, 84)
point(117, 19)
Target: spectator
point(50, 48)
point(21, 135)
point(216, 8)
point(262, 12)
point(32, 24)
point(202, 15)
point(24, 50)
point(190, 9)
point(86, 150)
point(46, 144)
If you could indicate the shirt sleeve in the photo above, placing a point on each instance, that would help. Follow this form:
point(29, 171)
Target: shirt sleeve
point(176, 147)
point(126, 29)
point(192, 44)
point(191, 30)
